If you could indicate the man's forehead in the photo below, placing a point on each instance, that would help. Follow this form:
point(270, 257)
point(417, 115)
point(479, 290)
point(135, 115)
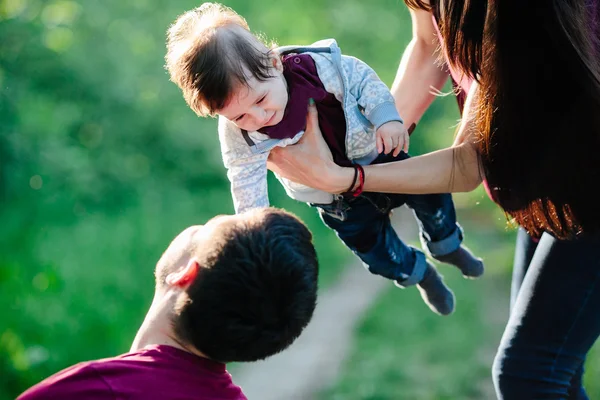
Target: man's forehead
point(190, 237)
point(185, 236)
point(216, 224)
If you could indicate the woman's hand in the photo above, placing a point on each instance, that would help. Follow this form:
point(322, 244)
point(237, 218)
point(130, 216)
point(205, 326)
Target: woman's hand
point(309, 161)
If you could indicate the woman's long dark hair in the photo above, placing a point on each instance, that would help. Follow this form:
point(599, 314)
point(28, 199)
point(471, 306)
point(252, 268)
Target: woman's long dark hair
point(538, 67)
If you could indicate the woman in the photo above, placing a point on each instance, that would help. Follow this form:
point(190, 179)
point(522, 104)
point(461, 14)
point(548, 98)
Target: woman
point(528, 82)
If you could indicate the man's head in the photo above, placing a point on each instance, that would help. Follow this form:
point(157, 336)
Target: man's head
point(246, 285)
point(222, 68)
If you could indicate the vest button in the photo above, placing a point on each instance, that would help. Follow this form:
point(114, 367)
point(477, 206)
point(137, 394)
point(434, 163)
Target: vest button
point(297, 60)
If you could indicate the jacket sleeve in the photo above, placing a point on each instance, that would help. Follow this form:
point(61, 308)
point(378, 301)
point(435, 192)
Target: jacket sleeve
point(373, 96)
point(247, 172)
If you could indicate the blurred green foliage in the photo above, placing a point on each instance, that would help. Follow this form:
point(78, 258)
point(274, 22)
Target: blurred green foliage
point(102, 163)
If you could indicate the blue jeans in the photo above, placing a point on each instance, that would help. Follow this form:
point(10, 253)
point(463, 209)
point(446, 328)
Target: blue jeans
point(554, 319)
point(363, 224)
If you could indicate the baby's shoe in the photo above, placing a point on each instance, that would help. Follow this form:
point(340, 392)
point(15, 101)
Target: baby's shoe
point(435, 293)
point(462, 258)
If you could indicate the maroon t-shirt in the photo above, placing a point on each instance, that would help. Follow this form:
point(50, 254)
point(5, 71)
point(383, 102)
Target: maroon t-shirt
point(300, 73)
point(154, 372)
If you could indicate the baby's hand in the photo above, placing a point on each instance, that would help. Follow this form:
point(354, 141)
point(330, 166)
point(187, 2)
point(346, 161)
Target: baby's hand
point(392, 136)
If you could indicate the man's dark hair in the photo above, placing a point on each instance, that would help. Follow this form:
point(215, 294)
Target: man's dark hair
point(210, 51)
point(256, 290)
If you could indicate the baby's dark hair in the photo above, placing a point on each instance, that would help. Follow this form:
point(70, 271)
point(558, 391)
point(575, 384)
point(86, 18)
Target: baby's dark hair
point(210, 51)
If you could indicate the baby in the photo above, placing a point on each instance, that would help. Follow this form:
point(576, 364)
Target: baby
point(261, 95)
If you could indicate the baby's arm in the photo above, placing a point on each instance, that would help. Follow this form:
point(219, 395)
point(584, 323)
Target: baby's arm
point(377, 104)
point(248, 179)
point(247, 172)
point(373, 96)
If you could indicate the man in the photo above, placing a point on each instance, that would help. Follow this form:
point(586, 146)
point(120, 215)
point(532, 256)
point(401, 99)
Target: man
point(240, 288)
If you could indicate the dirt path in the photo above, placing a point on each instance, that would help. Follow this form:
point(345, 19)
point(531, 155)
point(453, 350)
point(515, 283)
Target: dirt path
point(315, 360)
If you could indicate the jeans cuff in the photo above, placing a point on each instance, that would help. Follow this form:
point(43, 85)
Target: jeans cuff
point(444, 246)
point(417, 273)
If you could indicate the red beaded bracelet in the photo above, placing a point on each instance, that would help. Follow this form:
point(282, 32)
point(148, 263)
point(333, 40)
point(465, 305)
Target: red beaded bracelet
point(359, 174)
point(361, 180)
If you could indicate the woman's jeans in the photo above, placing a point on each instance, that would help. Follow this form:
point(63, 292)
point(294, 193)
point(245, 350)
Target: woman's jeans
point(554, 319)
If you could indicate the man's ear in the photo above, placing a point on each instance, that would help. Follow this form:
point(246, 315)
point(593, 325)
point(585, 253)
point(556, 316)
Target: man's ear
point(184, 276)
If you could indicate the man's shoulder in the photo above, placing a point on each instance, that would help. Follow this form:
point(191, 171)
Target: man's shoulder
point(81, 380)
point(157, 372)
point(87, 379)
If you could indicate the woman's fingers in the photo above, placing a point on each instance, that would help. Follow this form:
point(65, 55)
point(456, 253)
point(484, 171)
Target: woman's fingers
point(312, 118)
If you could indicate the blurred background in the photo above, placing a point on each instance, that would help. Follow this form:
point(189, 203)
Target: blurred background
point(102, 164)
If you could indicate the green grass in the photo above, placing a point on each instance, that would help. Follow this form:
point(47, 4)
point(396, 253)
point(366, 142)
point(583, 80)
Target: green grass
point(102, 164)
point(592, 371)
point(89, 284)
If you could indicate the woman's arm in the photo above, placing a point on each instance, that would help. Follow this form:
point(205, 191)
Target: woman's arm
point(420, 74)
point(454, 169)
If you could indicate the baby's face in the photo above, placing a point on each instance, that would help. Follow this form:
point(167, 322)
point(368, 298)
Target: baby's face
point(260, 104)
